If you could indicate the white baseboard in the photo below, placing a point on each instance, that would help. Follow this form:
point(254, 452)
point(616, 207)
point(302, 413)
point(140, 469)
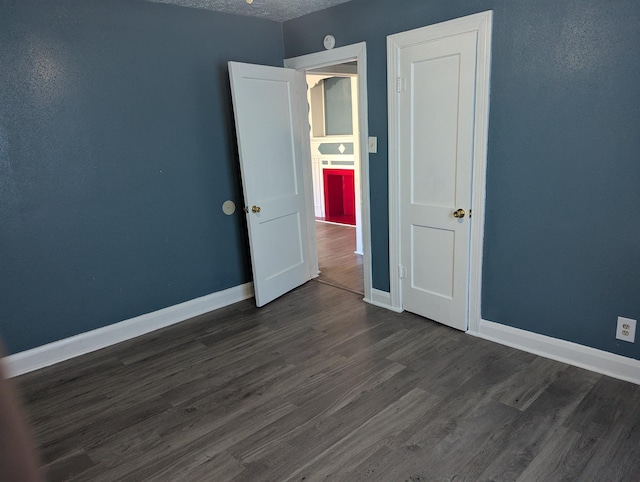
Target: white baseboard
point(381, 299)
point(93, 340)
point(599, 361)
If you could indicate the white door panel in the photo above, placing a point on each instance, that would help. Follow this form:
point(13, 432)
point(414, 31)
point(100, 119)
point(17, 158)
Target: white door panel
point(270, 131)
point(436, 121)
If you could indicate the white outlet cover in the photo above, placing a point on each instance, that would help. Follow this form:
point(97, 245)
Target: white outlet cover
point(626, 330)
point(373, 145)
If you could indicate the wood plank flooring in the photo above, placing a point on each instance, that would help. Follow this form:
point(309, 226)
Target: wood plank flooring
point(339, 265)
point(319, 385)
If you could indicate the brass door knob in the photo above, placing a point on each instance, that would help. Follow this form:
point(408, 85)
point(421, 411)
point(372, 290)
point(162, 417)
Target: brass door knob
point(255, 209)
point(459, 213)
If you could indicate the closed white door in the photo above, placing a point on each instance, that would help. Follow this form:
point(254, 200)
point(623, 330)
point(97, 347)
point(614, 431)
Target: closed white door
point(271, 134)
point(436, 101)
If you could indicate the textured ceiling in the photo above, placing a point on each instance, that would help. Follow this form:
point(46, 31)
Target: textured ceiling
point(279, 10)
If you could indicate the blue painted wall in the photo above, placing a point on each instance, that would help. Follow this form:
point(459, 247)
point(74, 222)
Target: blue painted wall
point(562, 241)
point(116, 153)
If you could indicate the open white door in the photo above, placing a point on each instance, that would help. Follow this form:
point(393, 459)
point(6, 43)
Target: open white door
point(271, 136)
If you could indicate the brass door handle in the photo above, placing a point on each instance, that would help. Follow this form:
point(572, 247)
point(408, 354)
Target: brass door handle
point(255, 209)
point(459, 213)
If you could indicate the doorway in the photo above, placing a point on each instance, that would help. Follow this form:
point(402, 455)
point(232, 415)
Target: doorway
point(333, 119)
point(349, 57)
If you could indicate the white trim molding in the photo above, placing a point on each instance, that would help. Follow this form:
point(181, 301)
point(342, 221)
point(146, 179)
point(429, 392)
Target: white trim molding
point(381, 299)
point(348, 53)
point(598, 361)
point(482, 24)
point(58, 351)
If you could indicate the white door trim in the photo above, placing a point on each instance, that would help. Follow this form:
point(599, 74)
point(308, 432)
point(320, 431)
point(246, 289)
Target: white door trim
point(340, 55)
point(481, 23)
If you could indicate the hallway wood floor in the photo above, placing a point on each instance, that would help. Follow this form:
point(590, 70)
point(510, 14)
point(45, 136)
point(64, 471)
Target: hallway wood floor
point(339, 264)
point(319, 385)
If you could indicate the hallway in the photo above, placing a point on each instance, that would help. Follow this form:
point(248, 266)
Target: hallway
point(339, 265)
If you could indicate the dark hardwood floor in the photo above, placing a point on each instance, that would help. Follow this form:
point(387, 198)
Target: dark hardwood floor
point(319, 385)
point(339, 265)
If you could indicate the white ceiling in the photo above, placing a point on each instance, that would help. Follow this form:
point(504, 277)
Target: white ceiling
point(279, 10)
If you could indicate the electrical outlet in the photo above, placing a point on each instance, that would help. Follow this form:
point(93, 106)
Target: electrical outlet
point(626, 329)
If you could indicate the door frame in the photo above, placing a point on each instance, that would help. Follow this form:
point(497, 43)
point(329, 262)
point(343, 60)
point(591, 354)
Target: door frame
point(482, 24)
point(340, 55)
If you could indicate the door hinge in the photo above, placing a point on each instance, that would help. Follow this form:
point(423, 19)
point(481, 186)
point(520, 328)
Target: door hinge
point(401, 84)
point(402, 272)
